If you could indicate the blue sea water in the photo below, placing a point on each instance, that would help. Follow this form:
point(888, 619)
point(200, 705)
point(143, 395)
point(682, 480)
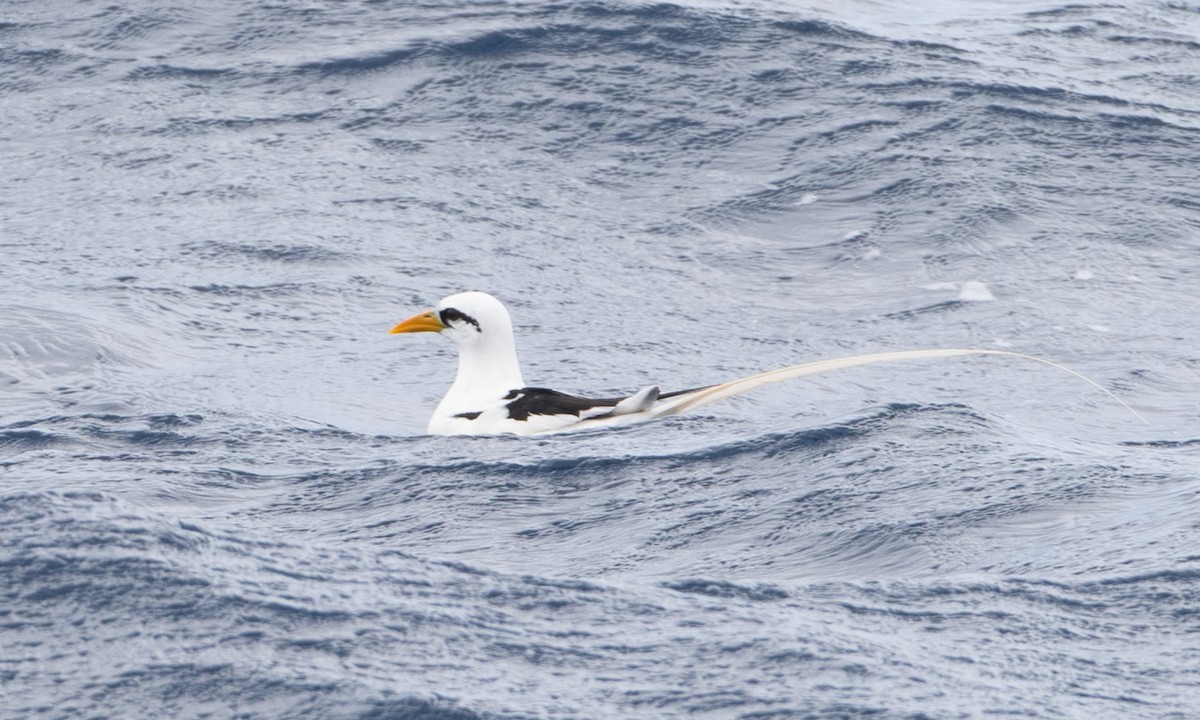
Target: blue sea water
point(216, 497)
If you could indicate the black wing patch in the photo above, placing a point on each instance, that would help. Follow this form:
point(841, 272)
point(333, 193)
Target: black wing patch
point(540, 401)
point(469, 415)
point(677, 393)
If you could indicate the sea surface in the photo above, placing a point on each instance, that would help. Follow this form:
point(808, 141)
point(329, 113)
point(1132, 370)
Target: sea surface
point(217, 497)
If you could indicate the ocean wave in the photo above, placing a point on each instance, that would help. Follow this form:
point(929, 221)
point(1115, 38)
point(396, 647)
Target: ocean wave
point(218, 498)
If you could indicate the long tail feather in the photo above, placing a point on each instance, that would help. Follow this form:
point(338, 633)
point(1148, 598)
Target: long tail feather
point(690, 401)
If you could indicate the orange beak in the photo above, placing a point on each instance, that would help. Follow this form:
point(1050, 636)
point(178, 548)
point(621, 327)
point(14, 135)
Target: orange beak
point(422, 322)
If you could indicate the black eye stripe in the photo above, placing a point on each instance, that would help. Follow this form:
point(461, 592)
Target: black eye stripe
point(450, 316)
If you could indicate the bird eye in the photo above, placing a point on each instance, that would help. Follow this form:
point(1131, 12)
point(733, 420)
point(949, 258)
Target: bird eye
point(450, 316)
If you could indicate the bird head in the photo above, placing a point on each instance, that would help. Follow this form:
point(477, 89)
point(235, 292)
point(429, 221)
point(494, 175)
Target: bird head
point(470, 318)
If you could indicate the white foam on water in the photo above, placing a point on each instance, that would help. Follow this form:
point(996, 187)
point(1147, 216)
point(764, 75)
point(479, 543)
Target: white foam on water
point(975, 291)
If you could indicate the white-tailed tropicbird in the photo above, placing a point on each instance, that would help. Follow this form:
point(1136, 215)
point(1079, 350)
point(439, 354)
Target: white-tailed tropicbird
point(489, 396)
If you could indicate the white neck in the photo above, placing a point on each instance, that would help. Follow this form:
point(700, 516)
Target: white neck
point(487, 370)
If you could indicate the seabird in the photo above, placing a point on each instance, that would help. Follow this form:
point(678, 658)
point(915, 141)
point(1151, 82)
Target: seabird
point(489, 396)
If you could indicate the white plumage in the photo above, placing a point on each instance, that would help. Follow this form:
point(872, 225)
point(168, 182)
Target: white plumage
point(489, 395)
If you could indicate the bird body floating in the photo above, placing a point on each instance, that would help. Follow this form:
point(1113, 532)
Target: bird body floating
point(490, 397)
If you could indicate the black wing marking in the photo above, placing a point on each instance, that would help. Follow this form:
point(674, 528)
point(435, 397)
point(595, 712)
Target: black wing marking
point(543, 401)
point(677, 393)
point(469, 415)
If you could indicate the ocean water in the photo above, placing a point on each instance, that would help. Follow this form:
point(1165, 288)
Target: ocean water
point(216, 496)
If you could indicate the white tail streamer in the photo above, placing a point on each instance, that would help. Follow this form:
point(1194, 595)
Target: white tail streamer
point(691, 401)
